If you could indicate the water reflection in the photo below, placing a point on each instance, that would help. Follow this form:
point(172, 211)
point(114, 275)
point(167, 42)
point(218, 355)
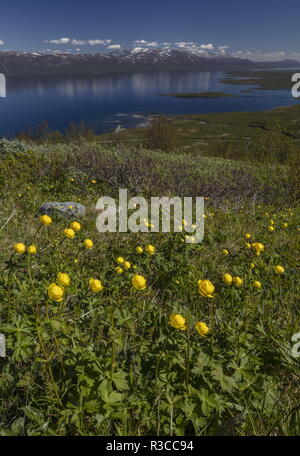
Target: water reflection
point(138, 84)
point(125, 99)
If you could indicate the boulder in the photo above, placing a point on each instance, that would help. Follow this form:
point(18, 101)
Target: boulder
point(65, 209)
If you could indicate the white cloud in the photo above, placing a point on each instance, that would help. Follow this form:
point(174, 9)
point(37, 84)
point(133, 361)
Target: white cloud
point(1, 43)
point(184, 44)
point(152, 44)
point(207, 46)
point(97, 42)
point(146, 43)
point(114, 46)
point(59, 41)
point(76, 42)
point(276, 56)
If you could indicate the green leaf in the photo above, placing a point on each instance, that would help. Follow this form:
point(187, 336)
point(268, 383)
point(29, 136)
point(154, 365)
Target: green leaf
point(119, 380)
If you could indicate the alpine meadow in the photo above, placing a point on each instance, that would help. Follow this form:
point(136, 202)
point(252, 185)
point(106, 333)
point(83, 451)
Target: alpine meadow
point(149, 333)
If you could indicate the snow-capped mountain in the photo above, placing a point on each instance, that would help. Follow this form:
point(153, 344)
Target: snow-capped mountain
point(13, 62)
point(173, 56)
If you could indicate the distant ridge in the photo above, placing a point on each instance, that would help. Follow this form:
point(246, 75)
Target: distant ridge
point(19, 62)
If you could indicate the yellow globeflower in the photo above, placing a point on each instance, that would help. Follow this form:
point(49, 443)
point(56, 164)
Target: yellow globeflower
point(32, 250)
point(150, 249)
point(238, 282)
point(69, 233)
point(20, 248)
point(271, 228)
point(225, 252)
point(45, 220)
point(126, 265)
point(96, 285)
point(120, 260)
point(256, 284)
point(247, 235)
point(55, 292)
point(279, 269)
point(258, 246)
point(177, 321)
point(75, 226)
point(88, 244)
point(119, 270)
point(63, 279)
point(284, 225)
point(202, 328)
point(139, 282)
point(248, 246)
point(272, 222)
point(227, 278)
point(139, 250)
point(252, 265)
point(206, 288)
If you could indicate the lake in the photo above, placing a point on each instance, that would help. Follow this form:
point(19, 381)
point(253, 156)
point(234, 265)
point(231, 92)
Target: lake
point(123, 100)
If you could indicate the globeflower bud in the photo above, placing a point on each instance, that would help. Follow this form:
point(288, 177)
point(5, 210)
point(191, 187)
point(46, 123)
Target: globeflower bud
point(202, 328)
point(20, 248)
point(227, 278)
point(32, 250)
point(96, 285)
point(238, 282)
point(139, 282)
point(70, 233)
point(88, 244)
point(75, 226)
point(206, 288)
point(177, 321)
point(63, 279)
point(150, 249)
point(45, 220)
point(55, 292)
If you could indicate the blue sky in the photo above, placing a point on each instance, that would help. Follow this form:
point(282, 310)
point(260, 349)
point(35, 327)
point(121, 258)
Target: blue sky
point(263, 29)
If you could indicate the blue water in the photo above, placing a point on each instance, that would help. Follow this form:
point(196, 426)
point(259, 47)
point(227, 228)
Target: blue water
point(122, 100)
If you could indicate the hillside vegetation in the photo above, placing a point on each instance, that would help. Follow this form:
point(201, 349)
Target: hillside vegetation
point(169, 338)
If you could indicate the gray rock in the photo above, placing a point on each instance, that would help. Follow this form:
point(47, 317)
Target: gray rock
point(66, 209)
point(2, 346)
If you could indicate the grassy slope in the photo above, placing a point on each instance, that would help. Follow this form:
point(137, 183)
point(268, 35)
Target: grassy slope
point(264, 80)
point(62, 366)
point(200, 95)
point(201, 132)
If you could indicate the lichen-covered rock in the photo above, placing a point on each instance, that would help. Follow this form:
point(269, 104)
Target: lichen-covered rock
point(65, 209)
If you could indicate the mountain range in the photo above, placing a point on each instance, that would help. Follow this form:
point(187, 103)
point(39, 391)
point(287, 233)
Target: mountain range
point(17, 62)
